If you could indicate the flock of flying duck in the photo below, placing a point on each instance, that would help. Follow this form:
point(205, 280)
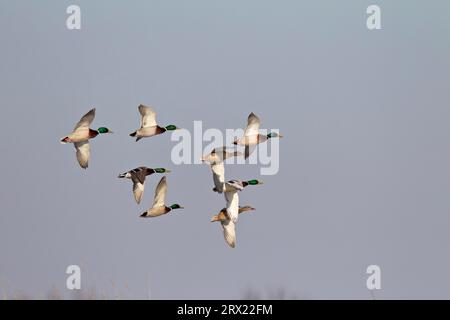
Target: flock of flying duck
point(228, 216)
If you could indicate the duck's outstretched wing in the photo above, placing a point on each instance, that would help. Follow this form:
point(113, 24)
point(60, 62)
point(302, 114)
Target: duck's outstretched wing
point(245, 209)
point(138, 191)
point(248, 151)
point(229, 232)
point(253, 123)
point(83, 152)
point(223, 153)
point(148, 118)
point(215, 156)
point(85, 121)
point(160, 193)
point(218, 171)
point(138, 178)
point(232, 199)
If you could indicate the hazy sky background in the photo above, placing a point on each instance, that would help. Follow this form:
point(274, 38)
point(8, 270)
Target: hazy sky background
point(364, 174)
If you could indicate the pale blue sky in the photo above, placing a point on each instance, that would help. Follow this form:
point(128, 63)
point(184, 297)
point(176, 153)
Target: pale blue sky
point(363, 178)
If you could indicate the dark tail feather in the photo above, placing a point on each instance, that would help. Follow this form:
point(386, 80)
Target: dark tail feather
point(134, 135)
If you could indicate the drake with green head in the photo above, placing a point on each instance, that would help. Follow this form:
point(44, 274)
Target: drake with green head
point(138, 176)
point(216, 161)
point(80, 137)
point(149, 127)
point(232, 198)
point(159, 208)
point(239, 185)
point(252, 137)
point(102, 130)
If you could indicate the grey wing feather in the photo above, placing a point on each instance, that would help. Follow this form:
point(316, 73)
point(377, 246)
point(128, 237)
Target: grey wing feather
point(218, 171)
point(138, 190)
point(248, 151)
point(229, 232)
point(86, 120)
point(83, 152)
point(139, 174)
point(224, 153)
point(148, 116)
point(253, 124)
point(232, 199)
point(160, 193)
point(138, 178)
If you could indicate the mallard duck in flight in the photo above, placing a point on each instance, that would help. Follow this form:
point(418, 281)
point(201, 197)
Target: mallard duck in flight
point(232, 198)
point(215, 159)
point(80, 137)
point(238, 185)
point(137, 176)
point(222, 215)
point(159, 208)
point(149, 127)
point(228, 226)
point(252, 137)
